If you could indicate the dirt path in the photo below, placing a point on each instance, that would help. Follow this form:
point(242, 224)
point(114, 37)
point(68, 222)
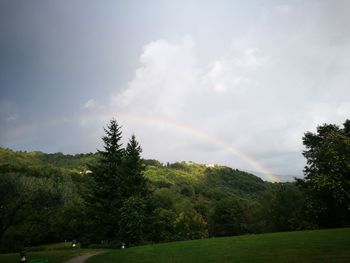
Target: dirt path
point(81, 259)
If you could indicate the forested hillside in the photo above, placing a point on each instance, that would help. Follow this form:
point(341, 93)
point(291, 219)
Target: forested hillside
point(113, 196)
point(43, 196)
point(186, 178)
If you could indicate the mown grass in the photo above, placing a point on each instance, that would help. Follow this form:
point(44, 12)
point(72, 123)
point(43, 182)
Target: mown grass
point(59, 255)
point(331, 245)
point(55, 246)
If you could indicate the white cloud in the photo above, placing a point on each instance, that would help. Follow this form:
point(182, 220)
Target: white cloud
point(90, 104)
point(343, 110)
point(213, 99)
point(232, 73)
point(260, 98)
point(283, 9)
point(169, 79)
point(165, 78)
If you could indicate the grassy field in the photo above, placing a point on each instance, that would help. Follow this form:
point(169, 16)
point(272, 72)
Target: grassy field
point(55, 246)
point(331, 245)
point(55, 253)
point(304, 246)
point(54, 256)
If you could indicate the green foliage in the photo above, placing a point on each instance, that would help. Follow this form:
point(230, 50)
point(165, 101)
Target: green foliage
point(21, 160)
point(39, 202)
point(214, 183)
point(176, 189)
point(190, 225)
point(28, 206)
point(106, 195)
point(180, 192)
point(134, 181)
point(152, 162)
point(133, 220)
point(228, 217)
point(327, 180)
point(115, 196)
point(243, 183)
point(116, 210)
point(163, 225)
point(284, 209)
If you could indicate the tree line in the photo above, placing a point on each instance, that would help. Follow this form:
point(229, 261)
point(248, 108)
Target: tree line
point(125, 199)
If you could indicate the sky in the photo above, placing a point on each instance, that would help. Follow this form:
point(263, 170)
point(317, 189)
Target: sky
point(234, 83)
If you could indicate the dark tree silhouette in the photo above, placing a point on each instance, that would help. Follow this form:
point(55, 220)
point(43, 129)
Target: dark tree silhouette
point(327, 174)
point(135, 183)
point(106, 198)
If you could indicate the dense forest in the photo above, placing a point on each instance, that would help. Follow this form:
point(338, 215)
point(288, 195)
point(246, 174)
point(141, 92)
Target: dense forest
point(114, 196)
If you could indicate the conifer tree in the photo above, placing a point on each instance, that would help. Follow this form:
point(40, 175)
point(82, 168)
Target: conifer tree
point(137, 209)
point(135, 183)
point(107, 174)
point(119, 191)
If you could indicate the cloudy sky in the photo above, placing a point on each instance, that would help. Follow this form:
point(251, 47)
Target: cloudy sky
point(236, 83)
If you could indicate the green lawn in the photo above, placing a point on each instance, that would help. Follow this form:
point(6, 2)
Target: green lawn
point(55, 246)
point(304, 246)
point(54, 256)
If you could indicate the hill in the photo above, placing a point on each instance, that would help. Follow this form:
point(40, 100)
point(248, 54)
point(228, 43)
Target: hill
point(329, 245)
point(187, 178)
point(189, 200)
point(301, 246)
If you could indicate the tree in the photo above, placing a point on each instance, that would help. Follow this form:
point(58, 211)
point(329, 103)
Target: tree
point(134, 181)
point(27, 207)
point(120, 198)
point(137, 207)
point(327, 174)
point(106, 197)
point(228, 217)
point(133, 220)
point(190, 225)
point(163, 225)
point(283, 209)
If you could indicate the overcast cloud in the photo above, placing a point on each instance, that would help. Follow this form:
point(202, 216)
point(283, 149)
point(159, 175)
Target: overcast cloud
point(181, 76)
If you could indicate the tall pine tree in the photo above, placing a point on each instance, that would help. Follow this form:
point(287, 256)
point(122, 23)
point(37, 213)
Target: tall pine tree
point(135, 182)
point(119, 202)
point(106, 198)
point(136, 210)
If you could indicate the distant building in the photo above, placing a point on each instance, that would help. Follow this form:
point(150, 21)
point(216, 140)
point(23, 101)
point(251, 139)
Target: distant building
point(86, 172)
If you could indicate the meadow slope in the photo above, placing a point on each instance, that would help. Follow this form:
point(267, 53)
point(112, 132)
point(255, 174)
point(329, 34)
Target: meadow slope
point(332, 245)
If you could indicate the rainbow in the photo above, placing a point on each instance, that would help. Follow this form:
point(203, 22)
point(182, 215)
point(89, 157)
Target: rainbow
point(191, 130)
point(198, 133)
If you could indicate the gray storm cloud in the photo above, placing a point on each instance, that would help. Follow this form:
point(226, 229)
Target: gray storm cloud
point(254, 76)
